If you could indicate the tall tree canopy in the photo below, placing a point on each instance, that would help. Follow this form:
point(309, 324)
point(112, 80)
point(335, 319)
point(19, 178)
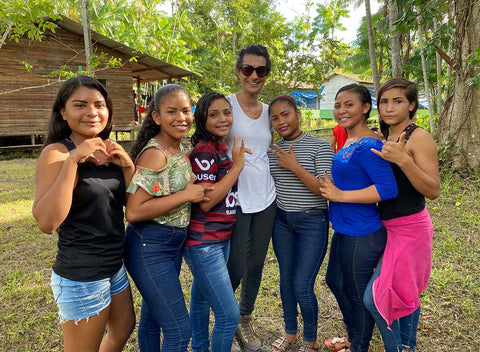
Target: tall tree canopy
point(205, 36)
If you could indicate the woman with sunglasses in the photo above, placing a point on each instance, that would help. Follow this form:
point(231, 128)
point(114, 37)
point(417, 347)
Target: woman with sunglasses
point(256, 190)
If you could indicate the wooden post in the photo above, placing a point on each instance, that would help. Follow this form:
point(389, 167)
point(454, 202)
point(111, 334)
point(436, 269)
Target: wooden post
point(87, 37)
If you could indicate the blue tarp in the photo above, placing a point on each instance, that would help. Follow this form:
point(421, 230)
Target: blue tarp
point(306, 98)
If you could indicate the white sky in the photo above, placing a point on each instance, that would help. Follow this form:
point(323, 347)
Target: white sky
point(292, 8)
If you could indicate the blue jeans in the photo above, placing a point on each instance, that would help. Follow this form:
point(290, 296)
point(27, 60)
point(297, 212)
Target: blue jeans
point(153, 260)
point(350, 267)
point(402, 334)
point(300, 243)
point(248, 249)
point(211, 287)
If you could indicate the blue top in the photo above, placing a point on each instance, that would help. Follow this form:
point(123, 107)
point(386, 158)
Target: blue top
point(357, 167)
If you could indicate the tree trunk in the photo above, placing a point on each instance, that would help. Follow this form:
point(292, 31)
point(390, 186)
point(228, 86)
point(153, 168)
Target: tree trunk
point(87, 37)
point(451, 14)
point(380, 60)
point(424, 70)
point(439, 73)
point(394, 39)
point(371, 46)
point(459, 126)
point(408, 48)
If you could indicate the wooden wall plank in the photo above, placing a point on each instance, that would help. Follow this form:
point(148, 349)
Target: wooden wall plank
point(26, 97)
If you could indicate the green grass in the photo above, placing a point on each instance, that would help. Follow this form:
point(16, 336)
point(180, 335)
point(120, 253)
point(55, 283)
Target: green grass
point(450, 317)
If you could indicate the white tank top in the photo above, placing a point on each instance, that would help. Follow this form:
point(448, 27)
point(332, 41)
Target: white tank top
point(256, 188)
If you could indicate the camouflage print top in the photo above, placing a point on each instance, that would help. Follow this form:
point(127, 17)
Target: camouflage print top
point(169, 180)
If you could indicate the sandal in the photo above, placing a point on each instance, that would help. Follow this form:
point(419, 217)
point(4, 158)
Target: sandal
point(308, 348)
point(337, 344)
point(282, 344)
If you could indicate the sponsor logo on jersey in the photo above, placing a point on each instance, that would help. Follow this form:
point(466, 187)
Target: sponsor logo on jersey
point(231, 199)
point(204, 165)
point(206, 177)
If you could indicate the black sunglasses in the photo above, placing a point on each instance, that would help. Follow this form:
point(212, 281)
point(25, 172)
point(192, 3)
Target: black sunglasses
point(247, 70)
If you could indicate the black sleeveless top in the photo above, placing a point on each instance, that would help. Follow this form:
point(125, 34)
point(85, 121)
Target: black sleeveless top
point(409, 201)
point(91, 238)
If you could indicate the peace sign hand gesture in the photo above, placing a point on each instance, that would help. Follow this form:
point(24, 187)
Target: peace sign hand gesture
point(328, 190)
point(287, 160)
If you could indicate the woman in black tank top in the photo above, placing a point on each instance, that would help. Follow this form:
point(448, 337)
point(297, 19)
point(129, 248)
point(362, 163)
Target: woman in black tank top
point(80, 193)
point(392, 296)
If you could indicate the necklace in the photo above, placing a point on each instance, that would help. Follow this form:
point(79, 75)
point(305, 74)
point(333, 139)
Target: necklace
point(254, 112)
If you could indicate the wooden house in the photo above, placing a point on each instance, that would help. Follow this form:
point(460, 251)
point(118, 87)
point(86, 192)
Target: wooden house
point(26, 96)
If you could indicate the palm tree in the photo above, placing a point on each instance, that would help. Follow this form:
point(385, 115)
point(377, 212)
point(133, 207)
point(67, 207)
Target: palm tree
point(371, 46)
point(392, 8)
point(371, 40)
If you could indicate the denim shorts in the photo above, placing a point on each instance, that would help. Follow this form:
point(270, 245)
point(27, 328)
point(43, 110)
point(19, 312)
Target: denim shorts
point(77, 300)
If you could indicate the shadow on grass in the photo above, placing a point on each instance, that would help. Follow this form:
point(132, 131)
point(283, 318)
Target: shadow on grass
point(449, 321)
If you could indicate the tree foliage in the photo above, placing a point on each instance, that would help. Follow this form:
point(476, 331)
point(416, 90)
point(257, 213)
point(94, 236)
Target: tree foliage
point(27, 17)
point(206, 36)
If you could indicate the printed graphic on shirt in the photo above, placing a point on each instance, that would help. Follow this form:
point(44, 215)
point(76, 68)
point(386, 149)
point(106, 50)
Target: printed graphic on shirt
point(205, 170)
point(204, 165)
point(231, 202)
point(210, 163)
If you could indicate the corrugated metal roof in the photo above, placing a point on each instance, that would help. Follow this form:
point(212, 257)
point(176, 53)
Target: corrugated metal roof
point(146, 68)
point(354, 77)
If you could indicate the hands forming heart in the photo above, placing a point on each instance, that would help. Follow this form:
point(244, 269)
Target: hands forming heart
point(98, 158)
point(102, 152)
point(112, 149)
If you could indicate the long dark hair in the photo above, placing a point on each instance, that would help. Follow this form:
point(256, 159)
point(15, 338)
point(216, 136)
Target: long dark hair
point(411, 93)
point(149, 127)
point(254, 49)
point(201, 116)
point(58, 128)
point(362, 92)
